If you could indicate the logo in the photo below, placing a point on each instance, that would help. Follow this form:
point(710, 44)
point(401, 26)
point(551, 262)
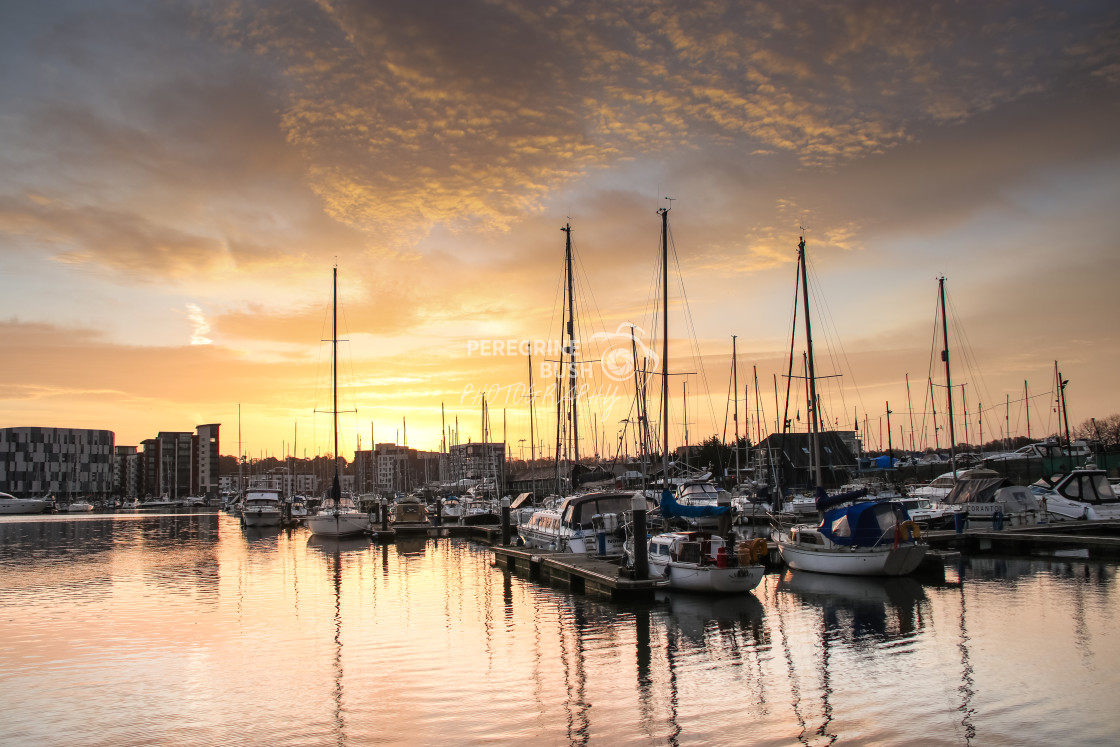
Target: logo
point(619, 348)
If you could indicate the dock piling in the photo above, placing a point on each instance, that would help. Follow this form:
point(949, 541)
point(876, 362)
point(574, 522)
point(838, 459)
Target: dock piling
point(505, 522)
point(641, 559)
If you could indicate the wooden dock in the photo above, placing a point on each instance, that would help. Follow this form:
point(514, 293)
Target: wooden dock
point(582, 574)
point(1100, 539)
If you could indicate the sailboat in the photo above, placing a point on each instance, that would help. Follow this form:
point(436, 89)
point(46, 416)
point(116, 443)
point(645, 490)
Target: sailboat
point(335, 519)
point(855, 536)
point(587, 523)
point(698, 561)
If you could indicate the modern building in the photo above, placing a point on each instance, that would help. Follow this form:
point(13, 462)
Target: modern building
point(179, 464)
point(478, 461)
point(62, 462)
point(206, 448)
point(126, 471)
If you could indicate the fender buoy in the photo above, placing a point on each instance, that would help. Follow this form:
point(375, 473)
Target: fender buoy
point(907, 531)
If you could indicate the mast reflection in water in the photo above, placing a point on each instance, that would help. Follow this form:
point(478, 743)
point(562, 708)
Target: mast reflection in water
point(185, 629)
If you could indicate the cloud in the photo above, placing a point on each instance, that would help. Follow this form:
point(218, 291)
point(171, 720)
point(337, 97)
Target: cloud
point(201, 326)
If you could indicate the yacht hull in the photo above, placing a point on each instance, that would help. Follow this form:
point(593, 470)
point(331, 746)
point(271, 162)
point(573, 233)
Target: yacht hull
point(707, 579)
point(22, 506)
point(855, 561)
point(338, 524)
point(252, 518)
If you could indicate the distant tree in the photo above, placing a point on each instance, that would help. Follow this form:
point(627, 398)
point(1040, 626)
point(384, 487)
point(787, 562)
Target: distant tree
point(1105, 431)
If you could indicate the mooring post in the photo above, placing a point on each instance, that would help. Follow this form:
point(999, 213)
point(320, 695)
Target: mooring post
point(505, 521)
point(384, 514)
point(641, 559)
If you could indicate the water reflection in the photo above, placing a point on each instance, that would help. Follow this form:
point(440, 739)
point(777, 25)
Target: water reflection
point(860, 609)
point(342, 630)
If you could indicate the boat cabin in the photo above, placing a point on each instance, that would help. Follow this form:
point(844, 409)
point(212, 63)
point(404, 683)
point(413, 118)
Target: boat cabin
point(1084, 485)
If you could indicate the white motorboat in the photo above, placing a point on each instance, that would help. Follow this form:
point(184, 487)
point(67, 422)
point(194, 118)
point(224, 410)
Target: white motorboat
point(864, 538)
point(923, 512)
point(261, 508)
point(479, 511)
point(1050, 449)
point(451, 509)
point(702, 562)
point(702, 493)
point(163, 502)
point(297, 508)
point(939, 487)
point(79, 507)
point(988, 496)
point(588, 523)
point(9, 504)
point(409, 514)
point(1079, 494)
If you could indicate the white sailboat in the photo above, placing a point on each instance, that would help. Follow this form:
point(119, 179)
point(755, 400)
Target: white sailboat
point(854, 537)
point(697, 561)
point(334, 518)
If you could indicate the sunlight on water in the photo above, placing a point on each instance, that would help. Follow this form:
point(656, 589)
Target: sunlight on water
point(187, 629)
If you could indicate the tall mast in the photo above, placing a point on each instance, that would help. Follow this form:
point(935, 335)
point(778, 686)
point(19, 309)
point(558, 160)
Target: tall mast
point(812, 368)
point(735, 389)
point(532, 431)
point(948, 378)
point(567, 229)
point(336, 488)
point(664, 213)
point(684, 392)
point(240, 456)
point(910, 407)
point(1027, 399)
point(933, 410)
point(640, 401)
point(1065, 413)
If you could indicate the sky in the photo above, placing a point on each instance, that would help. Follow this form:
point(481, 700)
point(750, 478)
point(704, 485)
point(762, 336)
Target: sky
point(177, 180)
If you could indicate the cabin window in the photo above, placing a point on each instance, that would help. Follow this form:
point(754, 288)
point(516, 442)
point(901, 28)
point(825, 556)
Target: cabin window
point(1104, 488)
point(808, 538)
point(805, 449)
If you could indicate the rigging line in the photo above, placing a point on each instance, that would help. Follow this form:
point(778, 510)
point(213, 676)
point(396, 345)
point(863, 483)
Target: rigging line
point(969, 356)
point(792, 345)
point(930, 370)
point(833, 332)
point(727, 402)
point(691, 326)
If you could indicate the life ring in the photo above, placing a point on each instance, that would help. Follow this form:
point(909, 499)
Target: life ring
point(909, 531)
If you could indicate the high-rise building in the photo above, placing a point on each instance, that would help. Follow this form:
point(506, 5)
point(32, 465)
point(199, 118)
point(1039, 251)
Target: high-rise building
point(207, 451)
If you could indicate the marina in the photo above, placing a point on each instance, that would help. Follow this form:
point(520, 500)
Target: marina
point(198, 630)
point(475, 373)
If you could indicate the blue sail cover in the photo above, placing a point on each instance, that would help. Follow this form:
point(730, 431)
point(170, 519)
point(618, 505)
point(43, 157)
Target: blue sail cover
point(865, 524)
point(825, 501)
point(670, 508)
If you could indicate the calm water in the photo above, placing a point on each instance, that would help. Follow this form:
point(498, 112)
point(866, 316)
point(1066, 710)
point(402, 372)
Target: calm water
point(188, 630)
